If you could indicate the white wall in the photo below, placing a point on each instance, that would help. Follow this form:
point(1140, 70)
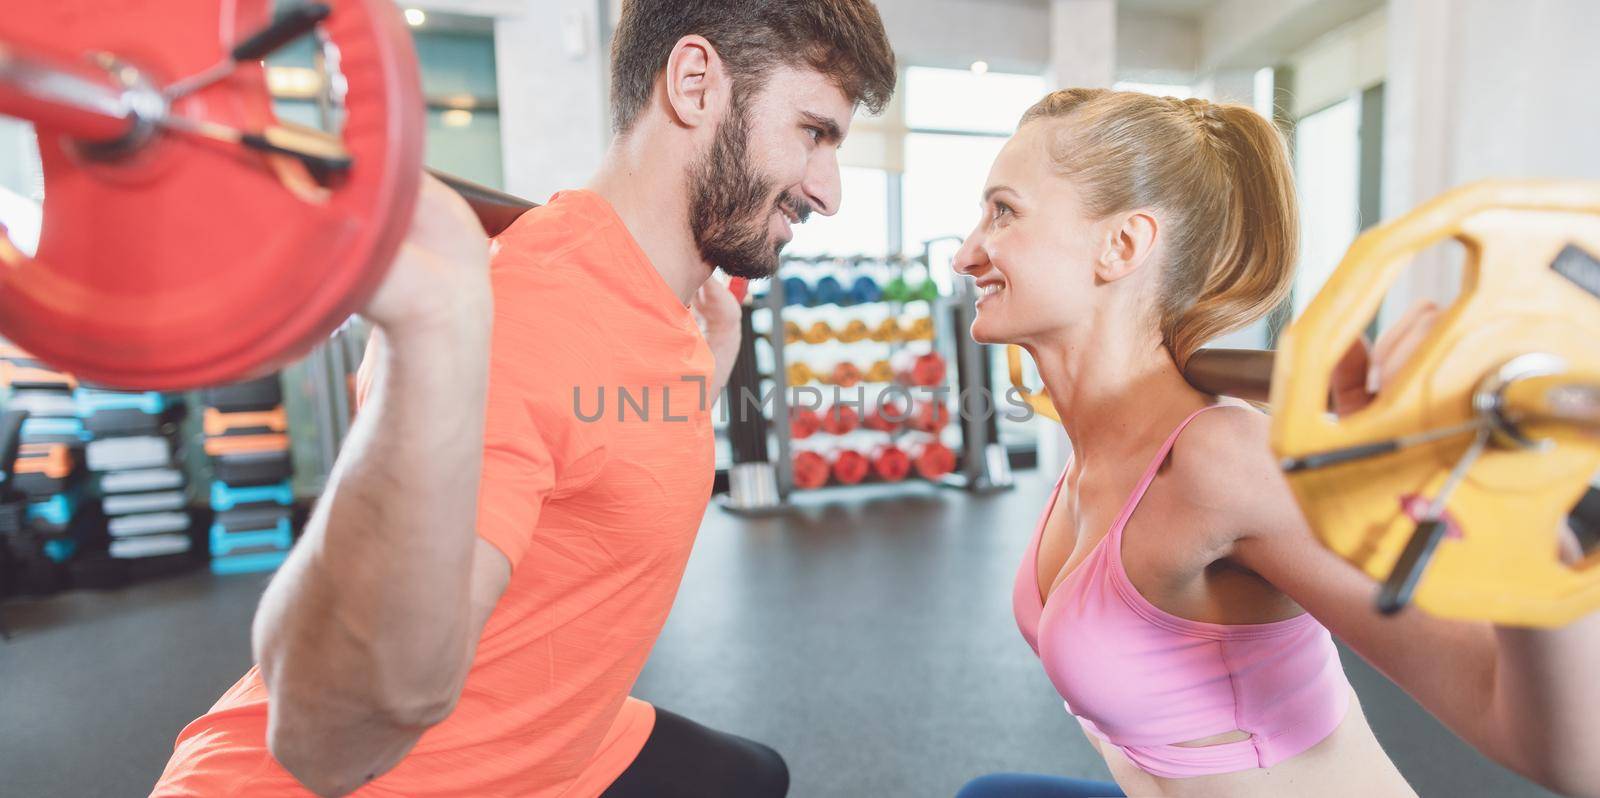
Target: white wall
point(553, 104)
point(1245, 34)
point(554, 122)
point(1339, 64)
point(1012, 35)
point(550, 61)
point(1083, 43)
point(1153, 48)
point(1481, 88)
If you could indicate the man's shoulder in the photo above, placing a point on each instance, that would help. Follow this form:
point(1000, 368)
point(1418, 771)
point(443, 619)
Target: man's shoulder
point(558, 231)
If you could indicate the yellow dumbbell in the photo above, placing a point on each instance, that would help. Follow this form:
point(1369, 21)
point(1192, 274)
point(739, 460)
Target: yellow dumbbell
point(817, 333)
point(887, 331)
point(879, 371)
point(920, 329)
point(791, 332)
point(800, 374)
point(854, 331)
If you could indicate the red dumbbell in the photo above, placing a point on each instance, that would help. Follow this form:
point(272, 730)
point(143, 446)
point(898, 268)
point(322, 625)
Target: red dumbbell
point(890, 463)
point(932, 459)
point(924, 369)
point(846, 375)
point(840, 419)
point(850, 466)
point(886, 417)
point(929, 417)
point(810, 470)
point(803, 422)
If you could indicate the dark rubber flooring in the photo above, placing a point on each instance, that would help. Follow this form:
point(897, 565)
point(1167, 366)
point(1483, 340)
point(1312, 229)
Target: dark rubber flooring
point(867, 635)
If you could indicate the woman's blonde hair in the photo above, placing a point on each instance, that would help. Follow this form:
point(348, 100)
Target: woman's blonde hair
point(1222, 175)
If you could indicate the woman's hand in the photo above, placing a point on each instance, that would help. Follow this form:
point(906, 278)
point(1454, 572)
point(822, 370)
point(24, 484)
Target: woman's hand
point(1362, 373)
point(717, 310)
point(1534, 708)
point(718, 313)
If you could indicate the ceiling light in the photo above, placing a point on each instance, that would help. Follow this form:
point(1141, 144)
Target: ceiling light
point(456, 117)
point(415, 17)
point(980, 67)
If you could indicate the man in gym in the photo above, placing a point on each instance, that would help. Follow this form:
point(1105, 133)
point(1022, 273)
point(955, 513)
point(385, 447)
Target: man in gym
point(438, 633)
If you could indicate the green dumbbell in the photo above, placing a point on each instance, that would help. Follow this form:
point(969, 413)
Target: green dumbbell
point(897, 290)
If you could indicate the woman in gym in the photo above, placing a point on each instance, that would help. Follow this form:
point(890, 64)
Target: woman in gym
point(1172, 589)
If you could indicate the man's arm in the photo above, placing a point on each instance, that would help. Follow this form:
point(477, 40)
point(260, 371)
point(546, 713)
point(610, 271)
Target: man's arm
point(365, 635)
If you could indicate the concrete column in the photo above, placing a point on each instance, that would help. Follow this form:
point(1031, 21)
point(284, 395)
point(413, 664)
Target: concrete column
point(1083, 43)
point(554, 114)
point(1478, 89)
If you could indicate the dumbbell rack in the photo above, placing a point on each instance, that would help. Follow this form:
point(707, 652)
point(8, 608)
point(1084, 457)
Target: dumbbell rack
point(246, 436)
point(47, 480)
point(106, 500)
point(971, 440)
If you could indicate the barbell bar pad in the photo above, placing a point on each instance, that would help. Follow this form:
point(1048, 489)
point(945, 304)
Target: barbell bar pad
point(1242, 373)
point(495, 209)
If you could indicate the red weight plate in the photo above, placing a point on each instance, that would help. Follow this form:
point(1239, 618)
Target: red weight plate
point(193, 262)
point(810, 470)
point(840, 419)
point(929, 369)
point(846, 375)
point(933, 460)
point(849, 466)
point(803, 422)
point(929, 417)
point(924, 369)
point(886, 417)
point(890, 463)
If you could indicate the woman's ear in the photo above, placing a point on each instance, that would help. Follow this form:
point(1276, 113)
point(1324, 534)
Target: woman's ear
point(694, 82)
point(1130, 238)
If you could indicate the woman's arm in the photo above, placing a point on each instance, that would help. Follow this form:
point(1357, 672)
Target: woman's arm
point(1518, 696)
point(1546, 692)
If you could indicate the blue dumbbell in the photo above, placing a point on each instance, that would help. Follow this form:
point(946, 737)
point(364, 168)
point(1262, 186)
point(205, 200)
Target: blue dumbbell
point(828, 291)
point(796, 291)
point(865, 290)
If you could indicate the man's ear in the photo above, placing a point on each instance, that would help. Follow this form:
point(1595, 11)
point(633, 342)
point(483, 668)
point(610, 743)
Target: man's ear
point(1130, 238)
point(696, 85)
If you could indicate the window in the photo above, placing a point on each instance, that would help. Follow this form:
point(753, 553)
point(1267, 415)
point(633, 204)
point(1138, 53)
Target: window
point(1327, 157)
point(458, 81)
point(965, 101)
point(943, 184)
point(860, 227)
point(1158, 89)
point(958, 120)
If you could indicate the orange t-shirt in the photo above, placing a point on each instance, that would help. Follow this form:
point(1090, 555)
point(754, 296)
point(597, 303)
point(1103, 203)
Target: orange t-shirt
point(596, 514)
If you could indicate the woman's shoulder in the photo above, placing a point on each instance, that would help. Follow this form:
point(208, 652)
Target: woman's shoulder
point(1222, 465)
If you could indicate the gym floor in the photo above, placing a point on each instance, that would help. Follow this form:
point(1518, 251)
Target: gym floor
point(869, 640)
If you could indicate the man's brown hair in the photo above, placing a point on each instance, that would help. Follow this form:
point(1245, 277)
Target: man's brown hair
point(842, 39)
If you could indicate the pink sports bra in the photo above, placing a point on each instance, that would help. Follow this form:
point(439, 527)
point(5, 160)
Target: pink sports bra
point(1142, 679)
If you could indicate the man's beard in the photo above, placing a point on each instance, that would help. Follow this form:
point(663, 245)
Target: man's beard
point(729, 209)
